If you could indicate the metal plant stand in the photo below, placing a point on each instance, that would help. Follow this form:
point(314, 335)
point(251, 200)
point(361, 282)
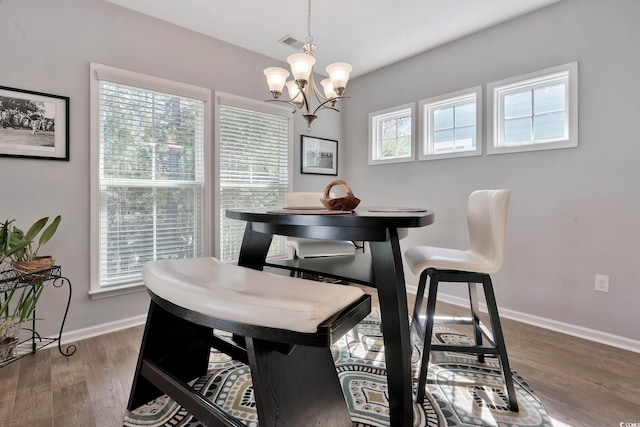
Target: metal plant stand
point(12, 280)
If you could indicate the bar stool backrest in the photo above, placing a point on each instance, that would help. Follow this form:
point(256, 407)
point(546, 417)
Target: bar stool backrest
point(487, 222)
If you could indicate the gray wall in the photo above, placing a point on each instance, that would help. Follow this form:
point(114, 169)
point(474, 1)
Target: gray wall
point(574, 212)
point(47, 47)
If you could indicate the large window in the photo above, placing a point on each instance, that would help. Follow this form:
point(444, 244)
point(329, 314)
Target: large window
point(254, 141)
point(538, 111)
point(148, 174)
point(391, 136)
point(451, 125)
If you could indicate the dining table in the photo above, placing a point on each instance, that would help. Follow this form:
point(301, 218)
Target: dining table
point(381, 267)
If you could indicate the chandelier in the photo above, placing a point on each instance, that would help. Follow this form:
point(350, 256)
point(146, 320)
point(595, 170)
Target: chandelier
point(302, 89)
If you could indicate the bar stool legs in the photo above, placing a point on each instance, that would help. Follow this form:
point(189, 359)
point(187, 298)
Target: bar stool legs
point(494, 337)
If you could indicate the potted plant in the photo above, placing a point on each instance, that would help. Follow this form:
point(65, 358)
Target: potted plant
point(6, 249)
point(13, 315)
point(18, 302)
point(19, 246)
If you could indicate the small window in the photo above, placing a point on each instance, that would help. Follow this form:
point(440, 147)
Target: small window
point(451, 125)
point(391, 137)
point(538, 111)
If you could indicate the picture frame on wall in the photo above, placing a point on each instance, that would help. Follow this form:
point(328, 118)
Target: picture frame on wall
point(319, 156)
point(33, 125)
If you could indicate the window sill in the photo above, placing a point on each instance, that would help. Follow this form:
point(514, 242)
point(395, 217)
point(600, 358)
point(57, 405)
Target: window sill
point(573, 143)
point(113, 291)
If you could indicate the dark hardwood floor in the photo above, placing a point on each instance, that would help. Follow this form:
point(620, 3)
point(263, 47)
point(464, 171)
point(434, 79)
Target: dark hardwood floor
point(581, 383)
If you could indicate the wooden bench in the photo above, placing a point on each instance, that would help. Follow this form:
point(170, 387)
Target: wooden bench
point(283, 328)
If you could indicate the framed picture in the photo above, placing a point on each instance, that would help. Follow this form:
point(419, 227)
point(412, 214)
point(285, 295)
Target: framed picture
point(33, 125)
point(319, 156)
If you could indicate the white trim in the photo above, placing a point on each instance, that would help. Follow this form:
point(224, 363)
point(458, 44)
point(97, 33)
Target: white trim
point(425, 107)
point(565, 328)
point(143, 81)
point(550, 324)
point(105, 328)
point(373, 135)
point(494, 109)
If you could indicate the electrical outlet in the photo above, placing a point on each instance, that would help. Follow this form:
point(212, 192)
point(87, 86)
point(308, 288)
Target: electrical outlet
point(602, 283)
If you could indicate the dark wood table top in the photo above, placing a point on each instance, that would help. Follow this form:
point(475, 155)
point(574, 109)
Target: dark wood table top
point(361, 224)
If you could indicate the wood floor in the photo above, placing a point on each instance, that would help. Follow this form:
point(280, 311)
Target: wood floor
point(581, 383)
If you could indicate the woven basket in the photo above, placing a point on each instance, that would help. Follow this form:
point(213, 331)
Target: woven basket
point(346, 203)
point(36, 270)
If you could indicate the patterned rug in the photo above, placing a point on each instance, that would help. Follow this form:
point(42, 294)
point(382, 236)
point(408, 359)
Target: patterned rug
point(460, 391)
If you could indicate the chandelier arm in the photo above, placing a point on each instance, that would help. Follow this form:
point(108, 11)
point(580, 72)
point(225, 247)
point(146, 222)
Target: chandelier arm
point(305, 101)
point(323, 105)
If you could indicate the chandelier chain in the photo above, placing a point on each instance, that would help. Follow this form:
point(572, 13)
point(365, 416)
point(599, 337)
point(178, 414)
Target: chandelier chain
point(309, 36)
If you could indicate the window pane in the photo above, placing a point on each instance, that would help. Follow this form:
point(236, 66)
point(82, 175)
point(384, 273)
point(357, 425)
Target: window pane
point(517, 130)
point(404, 146)
point(465, 138)
point(443, 140)
point(517, 104)
point(395, 137)
point(389, 128)
point(404, 126)
point(443, 118)
point(465, 114)
point(388, 147)
point(142, 132)
point(549, 98)
point(147, 223)
point(549, 126)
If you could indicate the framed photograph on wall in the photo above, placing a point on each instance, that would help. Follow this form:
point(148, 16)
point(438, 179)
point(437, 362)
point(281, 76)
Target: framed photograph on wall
point(33, 125)
point(319, 156)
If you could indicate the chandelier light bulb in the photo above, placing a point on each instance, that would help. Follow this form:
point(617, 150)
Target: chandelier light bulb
point(301, 65)
point(329, 91)
point(276, 79)
point(294, 93)
point(339, 75)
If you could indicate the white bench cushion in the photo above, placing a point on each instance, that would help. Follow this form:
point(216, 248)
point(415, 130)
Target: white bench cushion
point(240, 294)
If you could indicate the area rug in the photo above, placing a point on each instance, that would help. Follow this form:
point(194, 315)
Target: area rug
point(460, 391)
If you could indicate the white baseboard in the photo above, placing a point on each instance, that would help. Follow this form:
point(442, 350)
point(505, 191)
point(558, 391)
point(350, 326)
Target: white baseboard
point(554, 325)
point(105, 328)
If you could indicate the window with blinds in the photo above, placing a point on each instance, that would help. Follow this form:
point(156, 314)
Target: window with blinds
point(254, 158)
point(150, 182)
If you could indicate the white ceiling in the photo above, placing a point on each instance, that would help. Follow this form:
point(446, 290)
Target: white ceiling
point(368, 34)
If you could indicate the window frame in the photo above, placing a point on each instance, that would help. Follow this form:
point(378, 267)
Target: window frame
point(374, 141)
point(222, 98)
point(497, 90)
point(100, 72)
point(429, 105)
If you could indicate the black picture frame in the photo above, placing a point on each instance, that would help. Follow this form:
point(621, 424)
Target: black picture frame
point(318, 156)
point(33, 125)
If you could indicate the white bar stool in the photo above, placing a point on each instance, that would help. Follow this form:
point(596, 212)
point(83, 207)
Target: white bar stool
point(487, 221)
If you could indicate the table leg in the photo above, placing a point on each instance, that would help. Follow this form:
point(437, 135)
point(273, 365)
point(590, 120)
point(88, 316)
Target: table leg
point(254, 249)
point(389, 277)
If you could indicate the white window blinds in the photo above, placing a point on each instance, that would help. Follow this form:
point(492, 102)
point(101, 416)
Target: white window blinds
point(254, 168)
point(151, 177)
